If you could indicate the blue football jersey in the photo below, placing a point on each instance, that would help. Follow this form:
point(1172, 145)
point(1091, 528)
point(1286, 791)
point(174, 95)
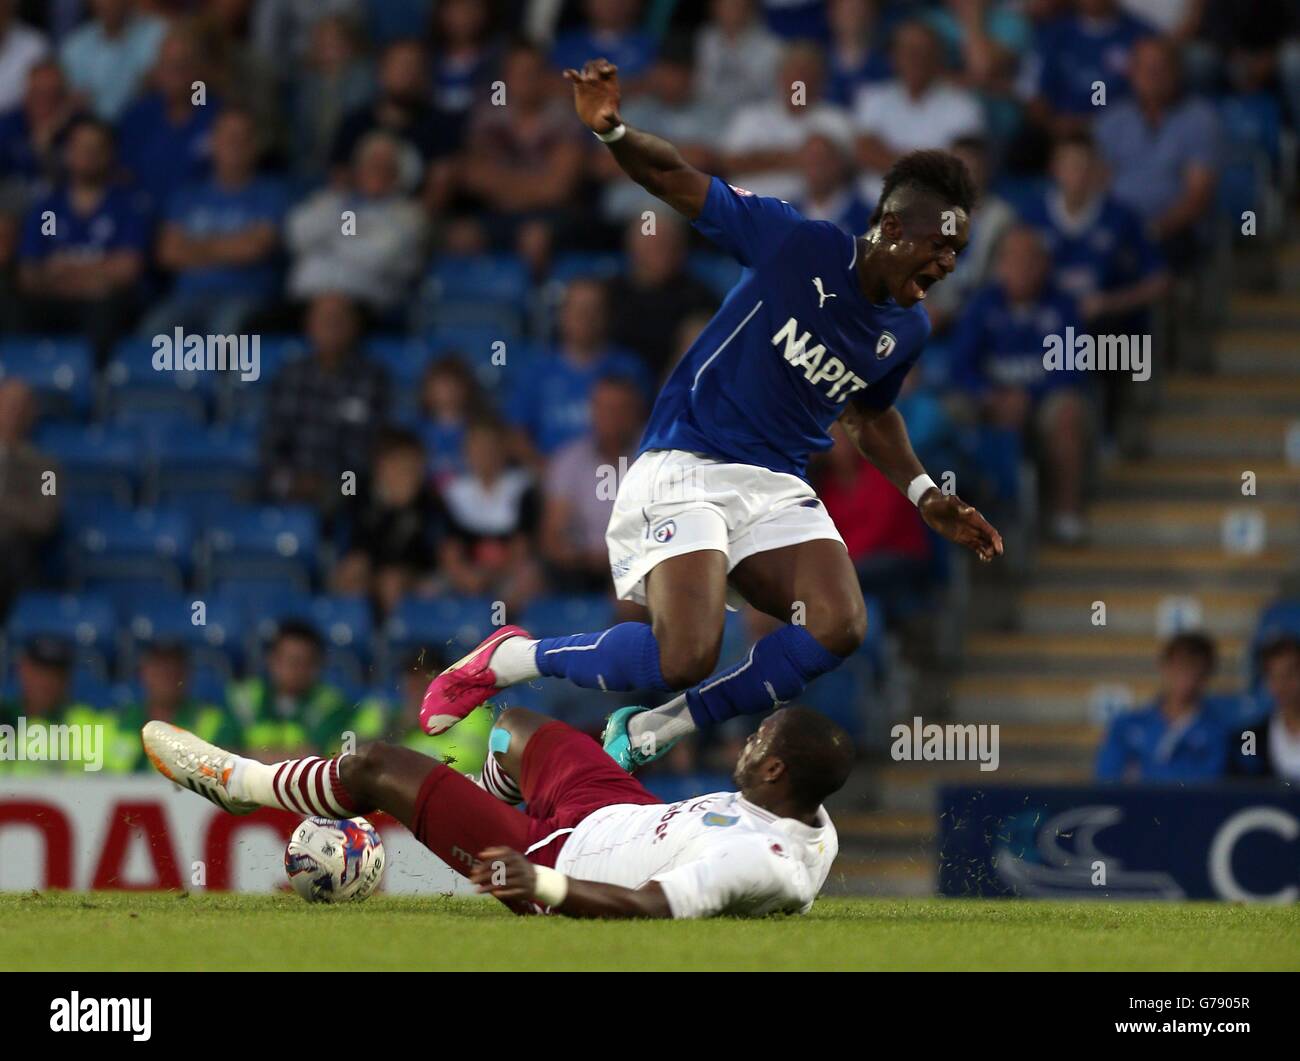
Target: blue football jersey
point(794, 340)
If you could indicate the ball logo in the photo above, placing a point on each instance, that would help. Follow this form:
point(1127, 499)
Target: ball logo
point(665, 531)
point(885, 345)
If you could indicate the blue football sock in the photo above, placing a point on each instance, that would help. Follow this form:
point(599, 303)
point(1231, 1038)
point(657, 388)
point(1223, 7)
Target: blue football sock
point(778, 668)
point(623, 658)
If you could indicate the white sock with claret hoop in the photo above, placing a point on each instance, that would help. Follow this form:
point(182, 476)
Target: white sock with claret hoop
point(308, 786)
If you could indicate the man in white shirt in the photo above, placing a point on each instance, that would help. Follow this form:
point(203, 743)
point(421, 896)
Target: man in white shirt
point(21, 48)
point(762, 143)
point(593, 842)
point(917, 109)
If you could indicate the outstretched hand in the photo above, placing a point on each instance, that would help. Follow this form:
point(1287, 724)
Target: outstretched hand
point(504, 873)
point(596, 94)
point(959, 522)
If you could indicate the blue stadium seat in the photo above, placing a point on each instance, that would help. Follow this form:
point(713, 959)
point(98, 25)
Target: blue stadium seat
point(402, 357)
point(576, 265)
point(98, 464)
point(127, 545)
point(451, 625)
point(134, 383)
point(487, 290)
point(263, 542)
point(61, 371)
point(244, 401)
point(217, 641)
point(189, 462)
point(87, 620)
point(478, 348)
point(560, 615)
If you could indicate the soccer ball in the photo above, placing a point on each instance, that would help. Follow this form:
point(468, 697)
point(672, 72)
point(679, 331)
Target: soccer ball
point(332, 861)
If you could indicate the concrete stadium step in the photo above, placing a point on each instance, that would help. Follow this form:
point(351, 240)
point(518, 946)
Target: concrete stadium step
point(1054, 698)
point(912, 876)
point(1250, 436)
point(914, 787)
point(1264, 309)
point(1097, 568)
point(1085, 653)
point(1245, 351)
point(1220, 478)
point(1215, 395)
point(1139, 611)
point(1187, 524)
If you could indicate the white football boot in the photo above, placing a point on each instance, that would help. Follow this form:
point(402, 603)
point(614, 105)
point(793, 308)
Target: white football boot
point(201, 767)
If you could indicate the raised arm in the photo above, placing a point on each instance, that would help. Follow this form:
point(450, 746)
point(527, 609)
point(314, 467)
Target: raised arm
point(653, 163)
point(509, 876)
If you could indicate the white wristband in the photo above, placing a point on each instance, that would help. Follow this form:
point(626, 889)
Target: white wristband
point(550, 886)
point(917, 488)
point(617, 133)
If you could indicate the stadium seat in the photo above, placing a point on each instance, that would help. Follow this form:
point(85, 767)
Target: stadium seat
point(244, 401)
point(560, 615)
point(263, 542)
point(133, 383)
point(217, 641)
point(85, 619)
point(61, 371)
point(451, 625)
point(577, 265)
point(402, 357)
point(487, 290)
point(190, 462)
point(97, 465)
point(125, 545)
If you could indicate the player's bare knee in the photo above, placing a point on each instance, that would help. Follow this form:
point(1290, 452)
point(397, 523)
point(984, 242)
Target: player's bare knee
point(360, 772)
point(841, 630)
point(685, 662)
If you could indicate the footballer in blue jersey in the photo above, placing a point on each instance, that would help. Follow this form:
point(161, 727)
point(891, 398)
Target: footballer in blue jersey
point(821, 328)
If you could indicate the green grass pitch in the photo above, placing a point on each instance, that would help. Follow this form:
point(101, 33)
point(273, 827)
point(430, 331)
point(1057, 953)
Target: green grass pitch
point(126, 931)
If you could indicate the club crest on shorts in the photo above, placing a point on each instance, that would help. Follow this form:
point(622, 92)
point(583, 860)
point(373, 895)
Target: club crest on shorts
point(665, 531)
point(885, 345)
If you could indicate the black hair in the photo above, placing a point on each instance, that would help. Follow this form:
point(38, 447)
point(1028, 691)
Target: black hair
point(300, 629)
point(938, 173)
point(1281, 645)
point(392, 440)
point(817, 753)
point(1193, 643)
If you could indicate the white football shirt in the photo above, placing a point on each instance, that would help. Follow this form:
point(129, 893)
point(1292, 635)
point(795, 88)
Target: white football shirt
point(713, 854)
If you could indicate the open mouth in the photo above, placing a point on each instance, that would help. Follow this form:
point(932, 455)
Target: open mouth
point(920, 284)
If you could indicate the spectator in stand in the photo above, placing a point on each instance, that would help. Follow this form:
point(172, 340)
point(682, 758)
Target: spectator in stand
point(581, 481)
point(324, 410)
point(1175, 738)
point(492, 517)
point(668, 108)
point(463, 52)
point(394, 537)
point(830, 192)
point(550, 403)
point(882, 530)
point(524, 162)
point(918, 108)
point(1162, 148)
point(45, 700)
point(240, 73)
point(164, 674)
point(999, 352)
point(856, 56)
point(21, 48)
point(1249, 45)
point(29, 513)
point(282, 29)
point(334, 81)
point(655, 293)
point(165, 137)
point(989, 222)
point(736, 54)
point(761, 144)
point(291, 710)
point(366, 240)
point(108, 58)
point(449, 398)
point(612, 32)
point(84, 246)
point(1090, 44)
point(221, 238)
point(404, 109)
point(31, 135)
point(1100, 254)
point(1271, 747)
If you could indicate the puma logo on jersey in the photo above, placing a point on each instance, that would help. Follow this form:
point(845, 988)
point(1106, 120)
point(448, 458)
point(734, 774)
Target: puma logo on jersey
point(819, 369)
point(822, 295)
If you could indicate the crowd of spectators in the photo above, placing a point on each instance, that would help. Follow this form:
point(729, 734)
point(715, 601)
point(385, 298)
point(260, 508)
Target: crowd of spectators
point(284, 167)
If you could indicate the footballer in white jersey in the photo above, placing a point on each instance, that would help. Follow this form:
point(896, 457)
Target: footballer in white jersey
point(592, 841)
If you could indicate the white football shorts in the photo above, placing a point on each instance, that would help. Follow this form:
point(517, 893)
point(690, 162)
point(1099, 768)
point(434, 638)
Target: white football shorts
point(672, 502)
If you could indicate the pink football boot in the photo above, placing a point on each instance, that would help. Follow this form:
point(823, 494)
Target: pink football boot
point(464, 685)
